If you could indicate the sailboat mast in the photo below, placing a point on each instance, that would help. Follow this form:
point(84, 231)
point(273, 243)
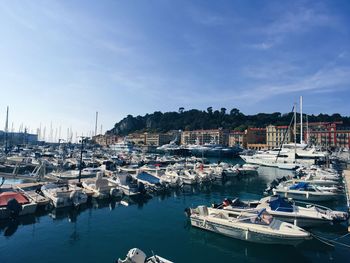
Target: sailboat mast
point(96, 123)
point(301, 119)
point(307, 130)
point(6, 129)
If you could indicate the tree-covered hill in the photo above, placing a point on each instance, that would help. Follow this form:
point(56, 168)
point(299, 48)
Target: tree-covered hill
point(210, 119)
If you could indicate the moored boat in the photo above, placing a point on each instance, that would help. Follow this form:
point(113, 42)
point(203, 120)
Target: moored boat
point(13, 204)
point(305, 192)
point(136, 255)
point(254, 227)
point(285, 210)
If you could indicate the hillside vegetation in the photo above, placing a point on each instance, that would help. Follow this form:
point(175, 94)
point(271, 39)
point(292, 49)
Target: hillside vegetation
point(210, 119)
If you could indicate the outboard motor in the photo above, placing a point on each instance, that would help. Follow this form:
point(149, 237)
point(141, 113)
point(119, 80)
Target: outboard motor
point(187, 212)
point(14, 207)
point(141, 187)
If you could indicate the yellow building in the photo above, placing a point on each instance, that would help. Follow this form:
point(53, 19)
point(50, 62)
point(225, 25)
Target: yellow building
point(276, 135)
point(237, 138)
point(106, 139)
point(137, 138)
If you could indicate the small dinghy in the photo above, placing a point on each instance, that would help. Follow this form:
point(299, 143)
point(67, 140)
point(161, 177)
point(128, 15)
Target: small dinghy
point(13, 204)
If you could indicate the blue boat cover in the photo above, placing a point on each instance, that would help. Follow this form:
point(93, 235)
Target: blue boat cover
point(147, 177)
point(300, 185)
point(280, 204)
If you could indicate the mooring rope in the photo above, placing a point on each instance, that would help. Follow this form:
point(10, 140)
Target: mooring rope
point(331, 242)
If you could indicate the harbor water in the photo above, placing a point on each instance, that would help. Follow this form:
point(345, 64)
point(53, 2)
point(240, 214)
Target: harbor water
point(104, 231)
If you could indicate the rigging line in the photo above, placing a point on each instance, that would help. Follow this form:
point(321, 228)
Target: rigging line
point(341, 236)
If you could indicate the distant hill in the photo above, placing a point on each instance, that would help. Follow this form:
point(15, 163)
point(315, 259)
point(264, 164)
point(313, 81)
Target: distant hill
point(210, 119)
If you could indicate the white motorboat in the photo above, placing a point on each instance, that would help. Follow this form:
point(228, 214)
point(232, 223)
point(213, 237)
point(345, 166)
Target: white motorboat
point(101, 187)
point(323, 187)
point(126, 184)
point(287, 211)
point(171, 178)
point(189, 177)
point(254, 227)
point(73, 174)
point(62, 195)
point(204, 174)
point(136, 255)
point(246, 169)
point(305, 192)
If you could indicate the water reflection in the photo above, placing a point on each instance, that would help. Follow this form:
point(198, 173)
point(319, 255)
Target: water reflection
point(165, 215)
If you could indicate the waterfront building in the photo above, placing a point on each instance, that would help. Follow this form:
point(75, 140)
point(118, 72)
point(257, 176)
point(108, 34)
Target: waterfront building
point(255, 138)
point(276, 135)
point(159, 139)
point(237, 138)
point(217, 136)
point(137, 138)
point(106, 139)
point(328, 134)
point(14, 138)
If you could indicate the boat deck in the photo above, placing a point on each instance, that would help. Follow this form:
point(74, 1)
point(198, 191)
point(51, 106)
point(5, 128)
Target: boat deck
point(29, 189)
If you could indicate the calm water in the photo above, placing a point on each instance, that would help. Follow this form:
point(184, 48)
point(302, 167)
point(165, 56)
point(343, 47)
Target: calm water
point(103, 231)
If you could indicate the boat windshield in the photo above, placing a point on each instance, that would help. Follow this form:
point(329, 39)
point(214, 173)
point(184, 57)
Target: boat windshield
point(263, 218)
point(280, 204)
point(299, 186)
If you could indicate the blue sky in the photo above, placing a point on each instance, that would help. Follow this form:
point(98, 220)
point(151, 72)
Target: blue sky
point(61, 61)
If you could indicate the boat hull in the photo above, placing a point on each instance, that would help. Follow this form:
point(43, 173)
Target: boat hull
point(305, 196)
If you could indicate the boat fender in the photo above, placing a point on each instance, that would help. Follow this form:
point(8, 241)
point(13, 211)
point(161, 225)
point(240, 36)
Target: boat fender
point(14, 207)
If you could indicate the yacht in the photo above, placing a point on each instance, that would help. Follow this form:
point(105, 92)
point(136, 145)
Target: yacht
point(287, 211)
point(123, 147)
point(136, 255)
point(258, 227)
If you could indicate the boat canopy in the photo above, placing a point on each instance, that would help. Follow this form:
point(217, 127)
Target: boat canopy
point(300, 185)
point(279, 204)
point(6, 196)
point(147, 177)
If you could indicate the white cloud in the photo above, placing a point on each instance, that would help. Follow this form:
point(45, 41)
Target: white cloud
point(296, 21)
